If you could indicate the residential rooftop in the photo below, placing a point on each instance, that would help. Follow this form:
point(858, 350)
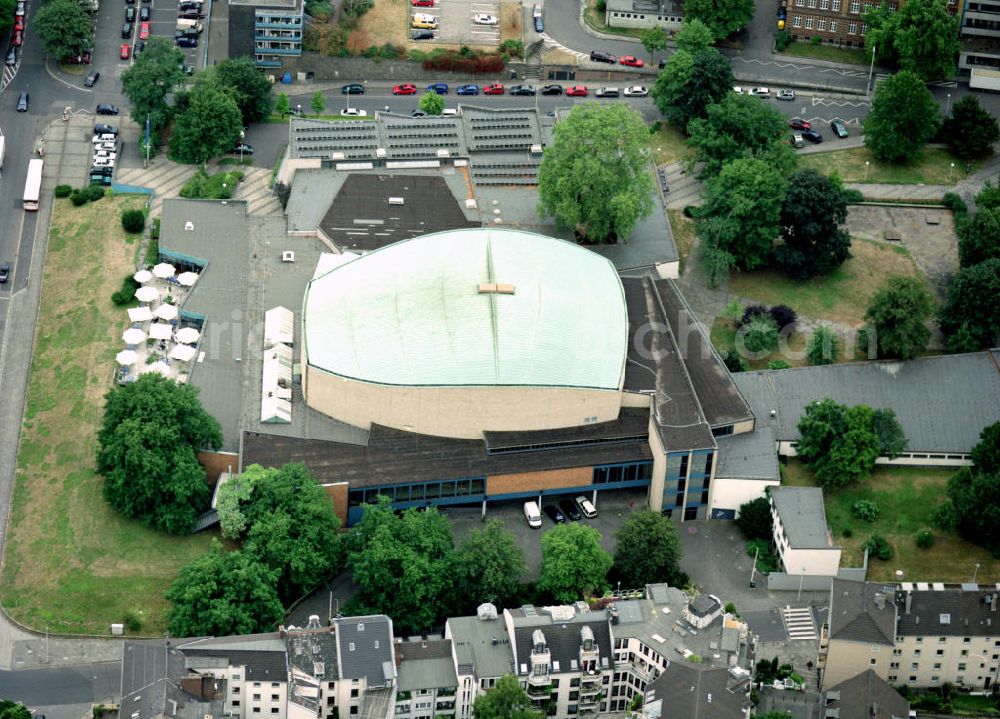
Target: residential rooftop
point(696, 692)
point(482, 646)
point(862, 612)
point(802, 516)
point(751, 455)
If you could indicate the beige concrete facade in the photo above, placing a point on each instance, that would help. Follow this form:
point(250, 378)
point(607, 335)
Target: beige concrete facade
point(655, 496)
point(730, 493)
point(460, 412)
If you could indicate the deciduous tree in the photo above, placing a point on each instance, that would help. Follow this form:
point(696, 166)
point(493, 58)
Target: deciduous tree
point(690, 82)
point(595, 177)
point(507, 700)
point(432, 103)
point(975, 500)
point(65, 27)
point(903, 117)
point(282, 106)
point(148, 442)
point(973, 299)
point(891, 438)
point(490, 564)
point(738, 127)
point(573, 562)
point(979, 237)
point(838, 443)
point(247, 85)
point(13, 710)
point(7, 8)
point(744, 204)
point(694, 36)
point(927, 39)
point(754, 519)
point(151, 79)
point(882, 24)
point(823, 347)
point(986, 453)
point(970, 131)
point(654, 39)
point(647, 550)
point(811, 215)
point(223, 593)
point(899, 312)
point(722, 17)
point(318, 102)
point(210, 125)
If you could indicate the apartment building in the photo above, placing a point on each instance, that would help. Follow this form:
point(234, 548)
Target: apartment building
point(266, 31)
point(839, 22)
point(913, 634)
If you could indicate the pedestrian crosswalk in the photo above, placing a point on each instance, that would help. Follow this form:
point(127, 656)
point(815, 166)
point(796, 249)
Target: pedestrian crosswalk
point(8, 76)
point(799, 623)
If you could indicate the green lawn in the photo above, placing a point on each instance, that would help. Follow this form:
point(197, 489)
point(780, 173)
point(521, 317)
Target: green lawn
point(683, 230)
point(842, 295)
point(832, 53)
point(669, 144)
point(932, 167)
point(906, 497)
point(72, 564)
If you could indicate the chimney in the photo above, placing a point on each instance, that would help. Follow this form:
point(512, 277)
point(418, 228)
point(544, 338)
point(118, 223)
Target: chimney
point(993, 603)
point(909, 601)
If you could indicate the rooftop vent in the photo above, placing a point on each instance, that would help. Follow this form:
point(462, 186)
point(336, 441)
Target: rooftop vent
point(288, 256)
point(380, 152)
point(189, 226)
point(396, 201)
point(536, 149)
point(946, 619)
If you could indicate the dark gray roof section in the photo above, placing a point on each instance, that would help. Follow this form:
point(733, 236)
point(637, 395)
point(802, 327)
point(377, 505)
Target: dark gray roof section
point(721, 401)
point(803, 516)
point(695, 693)
point(704, 604)
point(949, 611)
point(216, 236)
point(677, 413)
point(366, 215)
point(942, 402)
point(242, 33)
point(261, 665)
point(425, 664)
point(395, 457)
point(151, 676)
point(562, 639)
point(313, 651)
point(862, 612)
point(865, 696)
point(365, 649)
point(751, 455)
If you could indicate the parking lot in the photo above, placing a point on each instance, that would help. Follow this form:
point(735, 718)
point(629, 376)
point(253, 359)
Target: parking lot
point(455, 24)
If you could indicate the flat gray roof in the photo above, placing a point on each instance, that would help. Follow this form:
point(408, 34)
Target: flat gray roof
point(752, 455)
point(942, 402)
point(803, 516)
point(481, 646)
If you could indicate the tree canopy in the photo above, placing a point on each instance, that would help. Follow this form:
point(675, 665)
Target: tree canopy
point(13, 710)
point(811, 214)
point(840, 444)
point(654, 39)
point(722, 17)
point(148, 442)
point(903, 117)
point(899, 312)
point(151, 78)
point(490, 565)
point(972, 302)
point(738, 127)
point(922, 37)
point(413, 551)
point(64, 26)
point(754, 519)
point(986, 453)
point(891, 440)
point(7, 8)
point(647, 551)
point(506, 700)
point(248, 86)
point(970, 131)
point(690, 82)
point(573, 562)
point(286, 521)
point(979, 237)
point(432, 103)
point(222, 593)
point(694, 36)
point(743, 207)
point(823, 347)
point(595, 177)
point(209, 126)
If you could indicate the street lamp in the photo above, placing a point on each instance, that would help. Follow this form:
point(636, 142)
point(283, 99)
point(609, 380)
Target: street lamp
point(866, 170)
point(242, 136)
point(948, 110)
point(951, 171)
point(975, 573)
point(871, 70)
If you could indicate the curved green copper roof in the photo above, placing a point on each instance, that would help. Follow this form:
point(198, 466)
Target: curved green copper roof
point(412, 313)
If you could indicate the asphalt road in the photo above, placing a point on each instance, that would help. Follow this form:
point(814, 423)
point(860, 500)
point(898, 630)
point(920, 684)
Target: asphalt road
point(63, 686)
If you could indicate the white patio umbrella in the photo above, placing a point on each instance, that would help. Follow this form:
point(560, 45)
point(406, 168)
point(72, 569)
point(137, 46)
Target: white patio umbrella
point(126, 357)
point(187, 278)
point(165, 312)
point(164, 270)
point(133, 336)
point(157, 367)
point(139, 314)
point(146, 293)
point(160, 331)
point(142, 276)
point(187, 335)
point(184, 353)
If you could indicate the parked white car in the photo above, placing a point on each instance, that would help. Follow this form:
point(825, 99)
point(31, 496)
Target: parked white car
point(760, 92)
point(353, 112)
point(586, 507)
point(786, 95)
point(738, 90)
point(484, 19)
point(636, 91)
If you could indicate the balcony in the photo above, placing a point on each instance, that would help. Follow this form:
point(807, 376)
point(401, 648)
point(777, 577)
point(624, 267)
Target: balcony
point(539, 680)
point(590, 677)
point(540, 690)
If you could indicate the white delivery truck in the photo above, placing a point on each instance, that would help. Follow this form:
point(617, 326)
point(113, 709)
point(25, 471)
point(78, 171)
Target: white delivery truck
point(189, 24)
point(981, 79)
point(2, 148)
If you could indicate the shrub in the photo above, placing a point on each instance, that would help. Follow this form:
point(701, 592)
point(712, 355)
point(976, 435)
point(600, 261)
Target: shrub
point(451, 62)
point(133, 220)
point(730, 609)
point(760, 335)
point(733, 362)
point(126, 295)
point(925, 539)
point(878, 547)
point(370, 51)
point(602, 6)
point(853, 197)
point(732, 310)
point(78, 198)
point(282, 192)
point(63, 190)
point(752, 312)
point(847, 533)
point(822, 347)
point(154, 229)
point(512, 48)
point(133, 622)
point(865, 509)
point(783, 315)
point(93, 192)
point(356, 8)
point(782, 40)
point(219, 186)
point(778, 364)
point(953, 202)
point(390, 51)
point(815, 40)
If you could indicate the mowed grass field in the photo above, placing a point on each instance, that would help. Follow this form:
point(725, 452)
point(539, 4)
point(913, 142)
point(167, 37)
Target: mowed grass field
point(906, 497)
point(841, 296)
point(933, 166)
point(72, 564)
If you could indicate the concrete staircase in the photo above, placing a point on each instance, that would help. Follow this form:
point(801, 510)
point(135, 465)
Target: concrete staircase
point(167, 178)
point(255, 189)
point(799, 623)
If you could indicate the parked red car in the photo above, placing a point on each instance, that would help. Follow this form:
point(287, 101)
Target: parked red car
point(576, 91)
point(494, 88)
point(631, 61)
point(125, 52)
point(17, 37)
point(19, 22)
point(405, 89)
point(422, 3)
point(144, 31)
point(797, 123)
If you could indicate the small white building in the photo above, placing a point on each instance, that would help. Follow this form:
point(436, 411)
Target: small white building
point(801, 535)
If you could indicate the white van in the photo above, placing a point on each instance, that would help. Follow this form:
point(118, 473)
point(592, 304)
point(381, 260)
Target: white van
point(586, 507)
point(188, 24)
point(532, 514)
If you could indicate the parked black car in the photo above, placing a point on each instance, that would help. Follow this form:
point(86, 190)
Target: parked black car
point(106, 108)
point(553, 513)
point(422, 35)
point(552, 90)
point(813, 136)
point(598, 56)
point(102, 129)
point(570, 510)
point(528, 90)
point(4, 271)
point(127, 31)
point(185, 41)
